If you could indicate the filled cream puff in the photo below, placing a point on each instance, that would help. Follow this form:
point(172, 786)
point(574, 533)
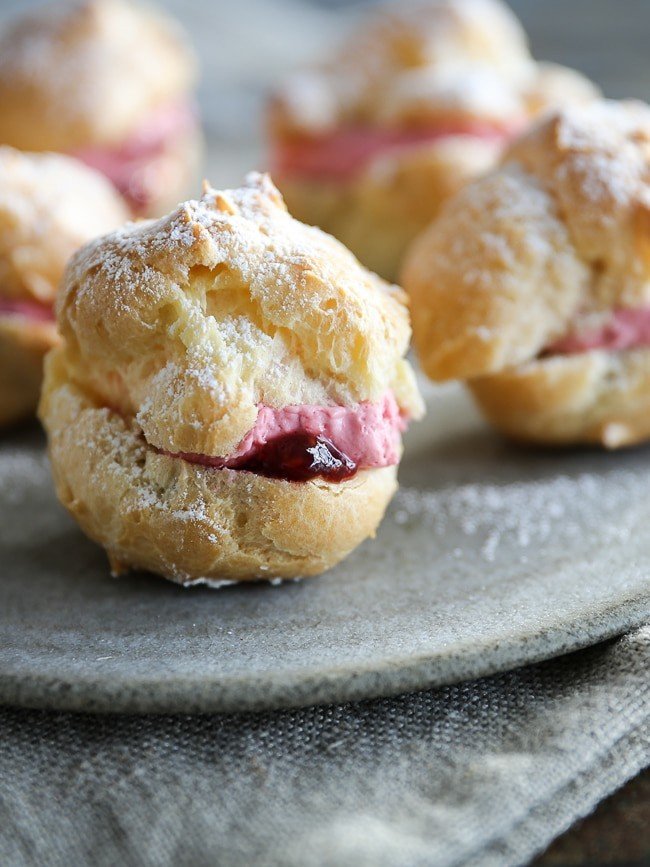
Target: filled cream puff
point(533, 284)
point(111, 84)
point(420, 99)
point(228, 399)
point(49, 206)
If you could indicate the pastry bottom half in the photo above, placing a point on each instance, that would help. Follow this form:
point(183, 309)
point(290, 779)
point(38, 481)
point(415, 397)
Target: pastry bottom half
point(594, 397)
point(23, 345)
point(378, 213)
point(188, 522)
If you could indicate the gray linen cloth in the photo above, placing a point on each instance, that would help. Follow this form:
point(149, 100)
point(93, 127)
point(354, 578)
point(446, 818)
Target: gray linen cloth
point(483, 773)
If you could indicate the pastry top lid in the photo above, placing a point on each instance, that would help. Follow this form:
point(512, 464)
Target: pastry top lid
point(559, 231)
point(88, 72)
point(190, 322)
point(425, 63)
point(50, 205)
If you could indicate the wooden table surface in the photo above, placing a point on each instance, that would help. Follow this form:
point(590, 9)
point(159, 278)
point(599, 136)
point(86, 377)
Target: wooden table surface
point(617, 834)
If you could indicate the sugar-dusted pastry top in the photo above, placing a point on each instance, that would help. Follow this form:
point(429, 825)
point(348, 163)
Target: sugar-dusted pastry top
point(545, 251)
point(88, 72)
point(195, 321)
point(426, 63)
point(49, 206)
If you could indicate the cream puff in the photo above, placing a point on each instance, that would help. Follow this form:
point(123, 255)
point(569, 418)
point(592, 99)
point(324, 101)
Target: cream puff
point(111, 84)
point(228, 399)
point(422, 98)
point(50, 205)
point(533, 284)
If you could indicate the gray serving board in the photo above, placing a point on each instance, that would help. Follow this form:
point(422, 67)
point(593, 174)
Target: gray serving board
point(489, 557)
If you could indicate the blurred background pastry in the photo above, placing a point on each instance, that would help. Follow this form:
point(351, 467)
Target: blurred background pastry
point(110, 83)
point(49, 206)
point(422, 97)
point(533, 284)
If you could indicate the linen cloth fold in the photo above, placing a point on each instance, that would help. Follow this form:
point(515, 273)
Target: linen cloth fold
point(483, 773)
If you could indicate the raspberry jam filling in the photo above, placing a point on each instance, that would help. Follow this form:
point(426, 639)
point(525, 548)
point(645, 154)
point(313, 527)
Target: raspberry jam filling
point(623, 329)
point(34, 310)
point(299, 443)
point(137, 165)
point(300, 457)
point(341, 154)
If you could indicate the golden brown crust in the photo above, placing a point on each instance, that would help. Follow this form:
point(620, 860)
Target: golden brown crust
point(554, 87)
point(439, 64)
point(49, 206)
point(522, 257)
point(560, 230)
point(174, 332)
point(594, 397)
point(594, 163)
point(379, 213)
point(85, 73)
point(436, 33)
point(413, 61)
point(493, 279)
point(187, 522)
point(190, 322)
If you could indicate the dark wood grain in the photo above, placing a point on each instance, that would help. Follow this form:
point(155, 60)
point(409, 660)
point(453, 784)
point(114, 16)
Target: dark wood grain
point(617, 834)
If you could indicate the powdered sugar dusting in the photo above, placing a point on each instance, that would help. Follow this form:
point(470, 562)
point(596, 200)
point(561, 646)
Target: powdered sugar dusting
point(523, 517)
point(607, 145)
point(93, 63)
point(249, 229)
point(212, 583)
point(477, 92)
point(241, 304)
point(423, 61)
point(49, 206)
point(507, 200)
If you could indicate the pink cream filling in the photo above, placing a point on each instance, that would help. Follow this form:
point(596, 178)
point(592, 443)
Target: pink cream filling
point(366, 434)
point(342, 154)
point(134, 165)
point(624, 329)
point(34, 310)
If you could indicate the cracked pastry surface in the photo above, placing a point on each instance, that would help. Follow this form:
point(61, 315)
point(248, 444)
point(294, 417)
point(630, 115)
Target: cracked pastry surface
point(49, 206)
point(228, 399)
point(534, 282)
point(109, 82)
point(420, 99)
